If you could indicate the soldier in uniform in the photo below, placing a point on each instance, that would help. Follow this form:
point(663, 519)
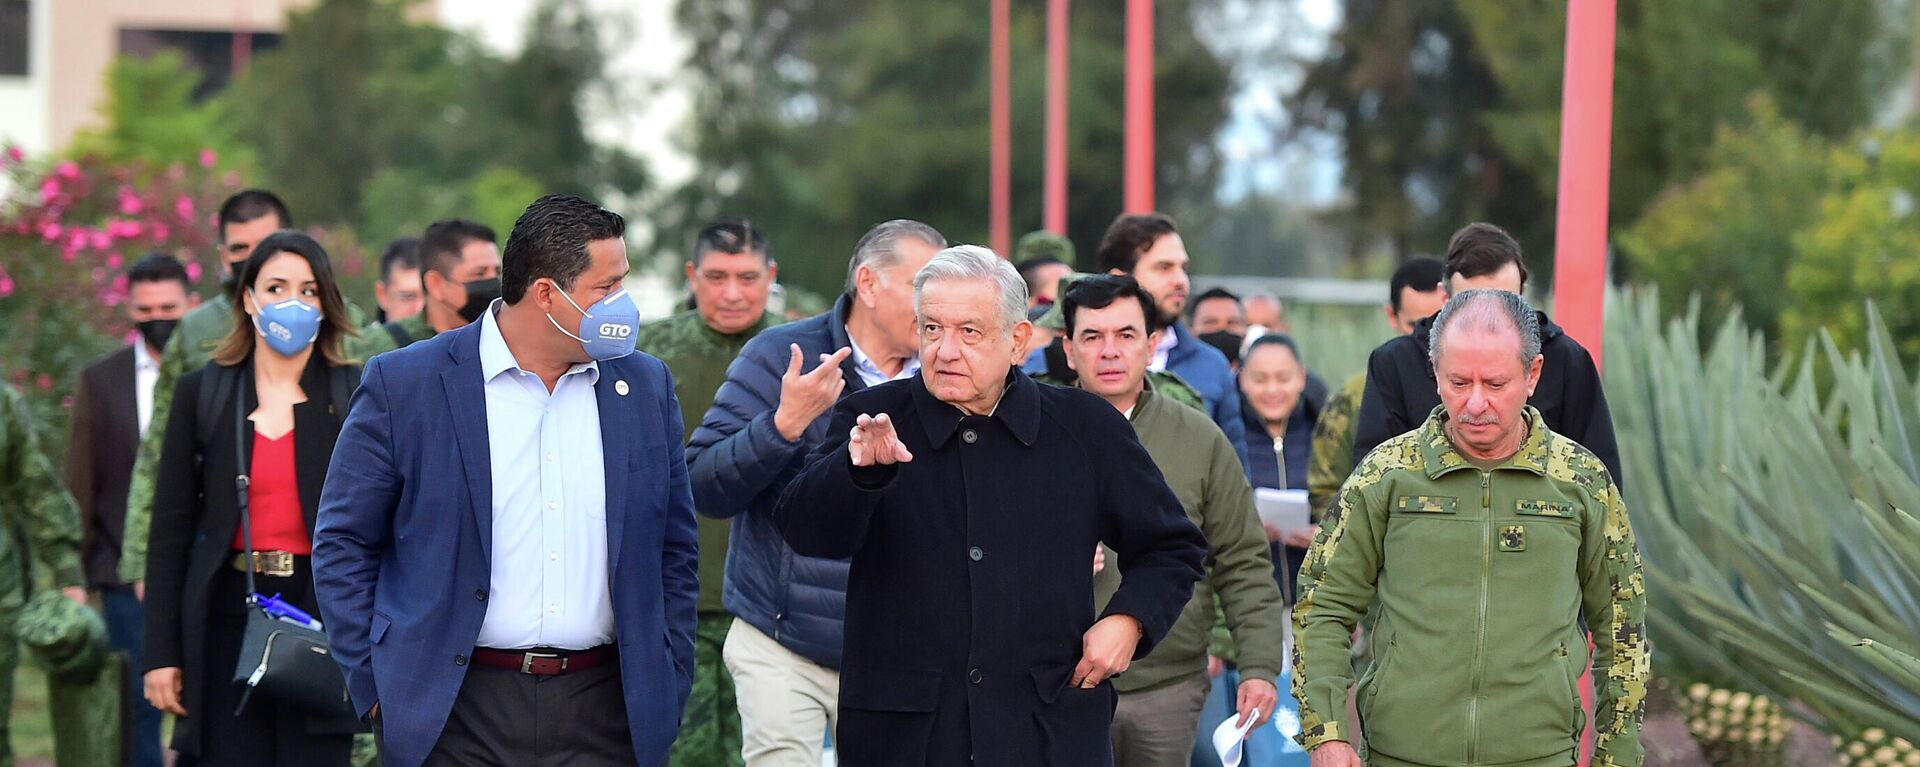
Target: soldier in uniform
point(1482, 539)
point(37, 511)
point(731, 276)
point(1413, 295)
point(459, 268)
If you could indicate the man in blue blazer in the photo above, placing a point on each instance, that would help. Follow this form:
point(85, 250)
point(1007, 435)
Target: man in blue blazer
point(505, 553)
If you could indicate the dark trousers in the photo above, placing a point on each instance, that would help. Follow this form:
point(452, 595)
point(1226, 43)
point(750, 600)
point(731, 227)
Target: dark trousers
point(504, 718)
point(266, 734)
point(124, 626)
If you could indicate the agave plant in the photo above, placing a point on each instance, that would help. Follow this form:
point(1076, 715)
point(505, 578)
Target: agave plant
point(1774, 508)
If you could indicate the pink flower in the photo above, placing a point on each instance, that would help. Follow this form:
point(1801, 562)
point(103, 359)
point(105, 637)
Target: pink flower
point(68, 170)
point(123, 229)
point(183, 207)
point(45, 382)
point(114, 260)
point(208, 158)
point(49, 190)
point(130, 203)
point(100, 240)
point(15, 155)
point(51, 231)
point(193, 271)
point(6, 285)
point(159, 232)
point(77, 239)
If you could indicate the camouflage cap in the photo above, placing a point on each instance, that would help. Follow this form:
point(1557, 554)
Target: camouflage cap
point(1055, 319)
point(1038, 243)
point(66, 638)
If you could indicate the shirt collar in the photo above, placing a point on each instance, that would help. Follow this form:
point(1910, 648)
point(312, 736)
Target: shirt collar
point(496, 358)
point(1442, 457)
point(1018, 410)
point(863, 362)
point(143, 359)
point(1168, 340)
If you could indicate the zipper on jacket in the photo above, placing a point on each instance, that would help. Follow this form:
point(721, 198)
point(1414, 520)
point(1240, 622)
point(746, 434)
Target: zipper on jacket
point(1480, 627)
point(1280, 458)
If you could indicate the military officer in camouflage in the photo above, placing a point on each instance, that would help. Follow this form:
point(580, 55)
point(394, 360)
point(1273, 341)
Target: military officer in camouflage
point(245, 219)
point(35, 509)
point(1483, 539)
point(1413, 294)
point(731, 276)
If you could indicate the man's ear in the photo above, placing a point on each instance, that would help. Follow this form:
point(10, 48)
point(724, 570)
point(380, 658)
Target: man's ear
point(1533, 372)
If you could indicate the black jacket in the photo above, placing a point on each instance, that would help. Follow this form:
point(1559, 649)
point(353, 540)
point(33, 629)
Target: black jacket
point(972, 578)
point(196, 513)
point(106, 434)
point(1402, 392)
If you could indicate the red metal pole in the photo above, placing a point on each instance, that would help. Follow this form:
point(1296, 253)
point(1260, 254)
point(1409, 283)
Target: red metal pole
point(1139, 158)
point(1054, 192)
point(1000, 183)
point(1586, 140)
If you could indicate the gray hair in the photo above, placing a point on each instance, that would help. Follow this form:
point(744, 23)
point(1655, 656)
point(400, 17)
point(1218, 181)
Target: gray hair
point(878, 247)
point(972, 262)
point(1488, 311)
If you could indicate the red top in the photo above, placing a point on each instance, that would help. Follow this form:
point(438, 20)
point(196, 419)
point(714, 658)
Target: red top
point(273, 499)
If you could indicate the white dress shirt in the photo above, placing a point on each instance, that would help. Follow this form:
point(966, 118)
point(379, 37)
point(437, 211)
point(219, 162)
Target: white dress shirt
point(1167, 341)
point(871, 375)
point(146, 372)
point(550, 584)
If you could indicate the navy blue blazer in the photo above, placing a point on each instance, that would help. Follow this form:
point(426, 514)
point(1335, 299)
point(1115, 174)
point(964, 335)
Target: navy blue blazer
point(402, 545)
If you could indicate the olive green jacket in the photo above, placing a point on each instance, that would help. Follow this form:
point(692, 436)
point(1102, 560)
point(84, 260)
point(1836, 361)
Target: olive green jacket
point(698, 357)
point(1481, 580)
point(35, 509)
point(376, 339)
point(1201, 467)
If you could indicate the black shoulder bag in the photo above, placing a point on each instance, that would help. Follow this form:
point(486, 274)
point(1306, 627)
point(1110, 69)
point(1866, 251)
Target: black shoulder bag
point(288, 661)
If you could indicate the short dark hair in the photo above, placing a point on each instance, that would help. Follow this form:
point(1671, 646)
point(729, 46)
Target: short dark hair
point(731, 236)
point(440, 246)
point(159, 267)
point(1129, 236)
point(249, 205)
point(1421, 274)
point(1276, 339)
point(550, 240)
point(1210, 294)
point(1100, 291)
point(334, 328)
point(1480, 249)
point(402, 253)
point(1029, 268)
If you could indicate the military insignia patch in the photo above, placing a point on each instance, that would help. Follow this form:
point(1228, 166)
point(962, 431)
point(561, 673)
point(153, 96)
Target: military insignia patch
point(1513, 538)
point(1545, 509)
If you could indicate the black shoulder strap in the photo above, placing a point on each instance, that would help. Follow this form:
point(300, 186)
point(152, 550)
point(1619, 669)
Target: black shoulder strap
point(341, 381)
point(401, 338)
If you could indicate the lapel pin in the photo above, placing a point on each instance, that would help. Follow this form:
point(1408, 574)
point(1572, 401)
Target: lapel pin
point(620, 388)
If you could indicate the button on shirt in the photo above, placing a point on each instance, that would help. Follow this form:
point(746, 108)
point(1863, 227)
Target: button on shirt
point(550, 582)
point(146, 372)
point(871, 375)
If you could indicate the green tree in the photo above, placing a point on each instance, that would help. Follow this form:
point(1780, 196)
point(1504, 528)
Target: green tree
point(1862, 242)
point(818, 120)
point(1404, 88)
point(1728, 234)
point(150, 118)
point(363, 116)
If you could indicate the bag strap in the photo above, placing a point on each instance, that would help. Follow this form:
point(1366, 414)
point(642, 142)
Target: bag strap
point(241, 480)
point(401, 338)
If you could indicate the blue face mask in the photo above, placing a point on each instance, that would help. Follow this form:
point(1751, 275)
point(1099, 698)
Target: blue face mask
point(606, 327)
point(289, 326)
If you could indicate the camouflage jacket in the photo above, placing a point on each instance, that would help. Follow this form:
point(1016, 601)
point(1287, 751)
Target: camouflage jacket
point(1332, 458)
point(698, 357)
point(189, 349)
point(376, 339)
point(1481, 579)
point(35, 507)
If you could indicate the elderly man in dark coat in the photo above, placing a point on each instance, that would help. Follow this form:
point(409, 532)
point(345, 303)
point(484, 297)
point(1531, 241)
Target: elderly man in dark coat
point(971, 636)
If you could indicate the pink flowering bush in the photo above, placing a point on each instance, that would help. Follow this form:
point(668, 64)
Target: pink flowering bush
point(68, 231)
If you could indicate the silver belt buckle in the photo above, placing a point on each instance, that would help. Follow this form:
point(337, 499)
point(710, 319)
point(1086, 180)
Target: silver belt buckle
point(526, 661)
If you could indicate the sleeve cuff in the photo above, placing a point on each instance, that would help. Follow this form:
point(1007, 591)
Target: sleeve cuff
point(875, 477)
point(1325, 733)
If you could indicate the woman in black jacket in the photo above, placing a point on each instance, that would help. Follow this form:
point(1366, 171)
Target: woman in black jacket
point(283, 368)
